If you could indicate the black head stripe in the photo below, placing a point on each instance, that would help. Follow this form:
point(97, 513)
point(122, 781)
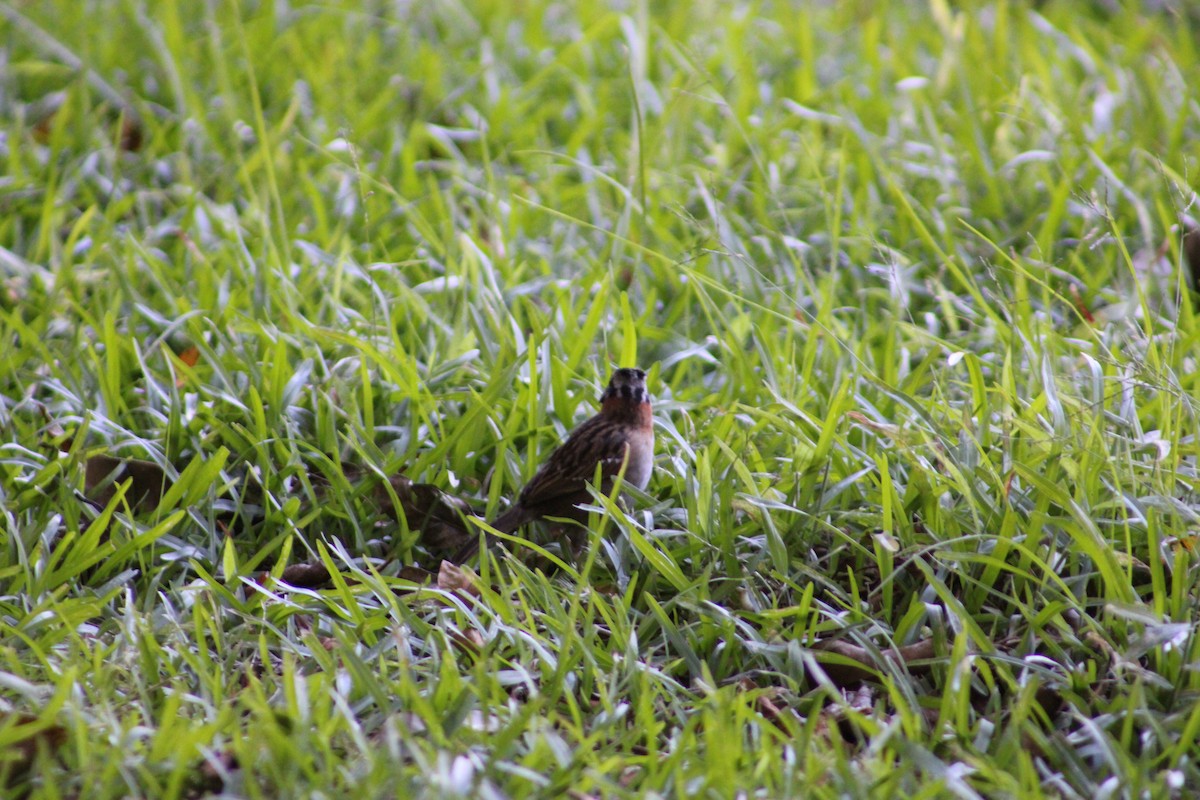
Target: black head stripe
point(632, 394)
point(627, 384)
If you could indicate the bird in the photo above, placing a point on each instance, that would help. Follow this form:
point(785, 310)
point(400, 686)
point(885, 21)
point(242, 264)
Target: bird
point(620, 436)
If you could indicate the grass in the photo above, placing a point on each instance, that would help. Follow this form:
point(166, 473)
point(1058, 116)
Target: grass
point(909, 287)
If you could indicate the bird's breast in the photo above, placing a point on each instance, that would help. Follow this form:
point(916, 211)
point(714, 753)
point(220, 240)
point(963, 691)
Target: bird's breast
point(641, 458)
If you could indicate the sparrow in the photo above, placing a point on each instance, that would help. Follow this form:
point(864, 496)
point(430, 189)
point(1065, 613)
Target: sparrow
point(620, 436)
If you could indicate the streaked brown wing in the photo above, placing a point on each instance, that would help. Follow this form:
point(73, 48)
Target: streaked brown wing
point(564, 476)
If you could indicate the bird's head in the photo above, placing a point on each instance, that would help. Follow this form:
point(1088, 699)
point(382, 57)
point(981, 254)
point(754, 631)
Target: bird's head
point(626, 388)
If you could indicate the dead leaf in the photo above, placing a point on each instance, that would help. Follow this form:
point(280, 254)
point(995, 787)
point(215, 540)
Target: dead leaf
point(839, 719)
point(1191, 252)
point(861, 699)
point(53, 434)
point(104, 473)
point(52, 428)
point(844, 675)
point(1080, 305)
point(416, 575)
point(453, 578)
point(188, 357)
point(469, 641)
point(1183, 543)
point(27, 734)
point(214, 770)
point(315, 575)
point(1051, 701)
point(764, 703)
point(131, 135)
point(435, 515)
point(306, 576)
point(894, 432)
point(42, 128)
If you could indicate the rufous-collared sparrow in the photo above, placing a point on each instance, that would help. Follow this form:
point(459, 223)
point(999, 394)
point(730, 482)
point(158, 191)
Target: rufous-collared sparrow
point(621, 435)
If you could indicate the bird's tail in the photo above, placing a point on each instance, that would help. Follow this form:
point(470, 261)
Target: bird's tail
point(507, 522)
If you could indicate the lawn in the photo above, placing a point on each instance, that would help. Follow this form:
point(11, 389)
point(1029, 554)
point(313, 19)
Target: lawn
point(288, 287)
